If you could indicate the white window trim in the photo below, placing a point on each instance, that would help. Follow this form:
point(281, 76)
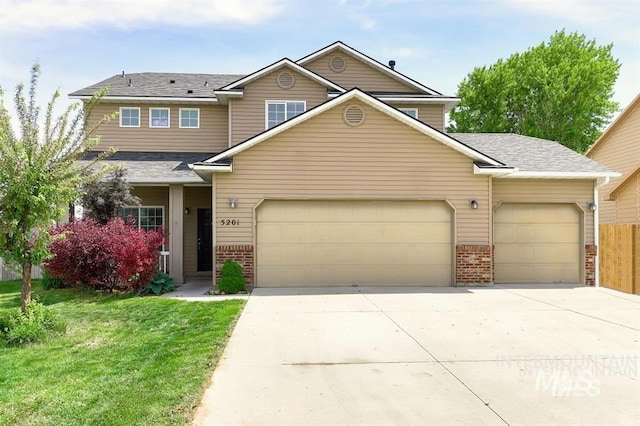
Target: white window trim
point(180, 118)
point(128, 125)
point(168, 118)
point(266, 109)
point(414, 110)
point(164, 224)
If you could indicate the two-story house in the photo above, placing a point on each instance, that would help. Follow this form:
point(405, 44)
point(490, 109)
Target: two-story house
point(334, 170)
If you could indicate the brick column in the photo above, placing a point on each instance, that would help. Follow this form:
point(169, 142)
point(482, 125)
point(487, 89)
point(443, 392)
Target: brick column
point(474, 265)
point(590, 253)
point(242, 254)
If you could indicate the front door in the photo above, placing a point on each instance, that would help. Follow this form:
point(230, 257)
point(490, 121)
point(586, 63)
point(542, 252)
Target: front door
point(205, 249)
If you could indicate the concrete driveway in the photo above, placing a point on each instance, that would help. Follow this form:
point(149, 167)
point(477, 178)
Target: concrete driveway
point(513, 355)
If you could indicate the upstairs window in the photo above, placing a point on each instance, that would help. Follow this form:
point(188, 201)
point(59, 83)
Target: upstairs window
point(189, 118)
point(280, 111)
point(129, 117)
point(411, 112)
point(159, 117)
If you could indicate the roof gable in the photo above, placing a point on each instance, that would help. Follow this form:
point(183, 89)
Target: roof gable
point(621, 185)
point(356, 94)
point(238, 84)
point(624, 115)
point(338, 45)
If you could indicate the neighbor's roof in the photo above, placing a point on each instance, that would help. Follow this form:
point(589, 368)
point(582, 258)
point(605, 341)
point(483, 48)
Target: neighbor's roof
point(533, 156)
point(158, 84)
point(157, 167)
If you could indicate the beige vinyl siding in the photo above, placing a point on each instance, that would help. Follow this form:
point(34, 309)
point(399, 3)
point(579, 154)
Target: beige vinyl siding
point(194, 198)
point(547, 191)
point(433, 115)
point(357, 74)
point(628, 202)
point(323, 158)
point(248, 113)
point(212, 136)
point(620, 151)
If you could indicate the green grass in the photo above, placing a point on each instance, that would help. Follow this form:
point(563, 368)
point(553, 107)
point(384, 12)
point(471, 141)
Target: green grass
point(123, 361)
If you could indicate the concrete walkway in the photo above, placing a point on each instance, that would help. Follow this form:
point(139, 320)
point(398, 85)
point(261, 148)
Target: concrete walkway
point(195, 290)
point(489, 356)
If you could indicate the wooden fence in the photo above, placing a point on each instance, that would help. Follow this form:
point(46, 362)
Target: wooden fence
point(620, 257)
point(6, 275)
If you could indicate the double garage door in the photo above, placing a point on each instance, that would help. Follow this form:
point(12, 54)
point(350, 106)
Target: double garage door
point(365, 243)
point(537, 243)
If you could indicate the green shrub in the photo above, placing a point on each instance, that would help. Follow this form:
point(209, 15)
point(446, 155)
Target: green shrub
point(33, 325)
point(162, 283)
point(231, 281)
point(49, 282)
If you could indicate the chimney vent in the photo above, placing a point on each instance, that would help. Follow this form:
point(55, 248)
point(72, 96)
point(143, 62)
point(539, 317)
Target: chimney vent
point(130, 83)
point(189, 91)
point(206, 83)
point(172, 81)
point(122, 74)
point(392, 64)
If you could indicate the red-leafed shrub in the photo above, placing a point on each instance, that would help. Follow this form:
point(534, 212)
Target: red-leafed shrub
point(115, 256)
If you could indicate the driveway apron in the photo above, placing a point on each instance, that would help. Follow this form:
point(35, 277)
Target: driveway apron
point(478, 356)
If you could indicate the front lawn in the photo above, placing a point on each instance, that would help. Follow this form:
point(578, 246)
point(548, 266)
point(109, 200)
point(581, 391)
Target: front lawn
point(123, 361)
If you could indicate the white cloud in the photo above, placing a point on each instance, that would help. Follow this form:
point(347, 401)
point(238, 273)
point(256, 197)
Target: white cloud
point(38, 15)
point(580, 11)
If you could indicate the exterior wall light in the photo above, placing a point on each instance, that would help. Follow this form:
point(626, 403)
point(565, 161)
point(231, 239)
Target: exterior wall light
point(592, 206)
point(233, 203)
point(473, 204)
point(186, 210)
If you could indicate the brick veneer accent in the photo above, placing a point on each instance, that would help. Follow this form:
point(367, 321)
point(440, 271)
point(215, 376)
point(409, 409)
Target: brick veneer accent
point(590, 253)
point(238, 253)
point(474, 265)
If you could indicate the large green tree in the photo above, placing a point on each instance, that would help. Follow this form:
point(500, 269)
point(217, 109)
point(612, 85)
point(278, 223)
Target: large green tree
point(560, 90)
point(40, 173)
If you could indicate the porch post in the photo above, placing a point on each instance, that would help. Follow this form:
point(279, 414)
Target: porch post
point(176, 232)
point(214, 222)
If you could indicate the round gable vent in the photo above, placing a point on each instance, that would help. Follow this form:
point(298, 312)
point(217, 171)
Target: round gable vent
point(353, 115)
point(285, 80)
point(337, 64)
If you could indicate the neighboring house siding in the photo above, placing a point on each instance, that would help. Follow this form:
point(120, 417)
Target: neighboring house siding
point(248, 113)
point(628, 202)
point(323, 158)
point(194, 198)
point(579, 192)
point(619, 150)
point(212, 136)
point(433, 115)
point(357, 74)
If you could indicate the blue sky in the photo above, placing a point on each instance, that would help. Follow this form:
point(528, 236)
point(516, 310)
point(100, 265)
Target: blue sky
point(80, 42)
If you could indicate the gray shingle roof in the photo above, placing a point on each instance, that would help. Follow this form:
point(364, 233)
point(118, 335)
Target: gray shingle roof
point(158, 84)
point(158, 167)
point(530, 154)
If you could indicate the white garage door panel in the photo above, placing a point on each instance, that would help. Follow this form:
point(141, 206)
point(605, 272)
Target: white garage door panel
point(325, 243)
point(537, 243)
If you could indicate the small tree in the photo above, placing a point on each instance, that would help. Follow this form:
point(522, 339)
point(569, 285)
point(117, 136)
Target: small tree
point(101, 200)
point(40, 173)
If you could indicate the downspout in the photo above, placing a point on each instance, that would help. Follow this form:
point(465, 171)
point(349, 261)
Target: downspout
point(596, 232)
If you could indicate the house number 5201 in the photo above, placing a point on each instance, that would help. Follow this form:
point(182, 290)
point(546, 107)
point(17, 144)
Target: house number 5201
point(229, 222)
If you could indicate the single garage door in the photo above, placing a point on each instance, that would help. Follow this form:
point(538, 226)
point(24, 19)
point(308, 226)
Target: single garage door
point(345, 243)
point(537, 243)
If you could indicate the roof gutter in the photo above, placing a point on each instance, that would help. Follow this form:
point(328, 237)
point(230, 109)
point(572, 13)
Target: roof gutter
point(560, 175)
point(205, 170)
point(493, 171)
